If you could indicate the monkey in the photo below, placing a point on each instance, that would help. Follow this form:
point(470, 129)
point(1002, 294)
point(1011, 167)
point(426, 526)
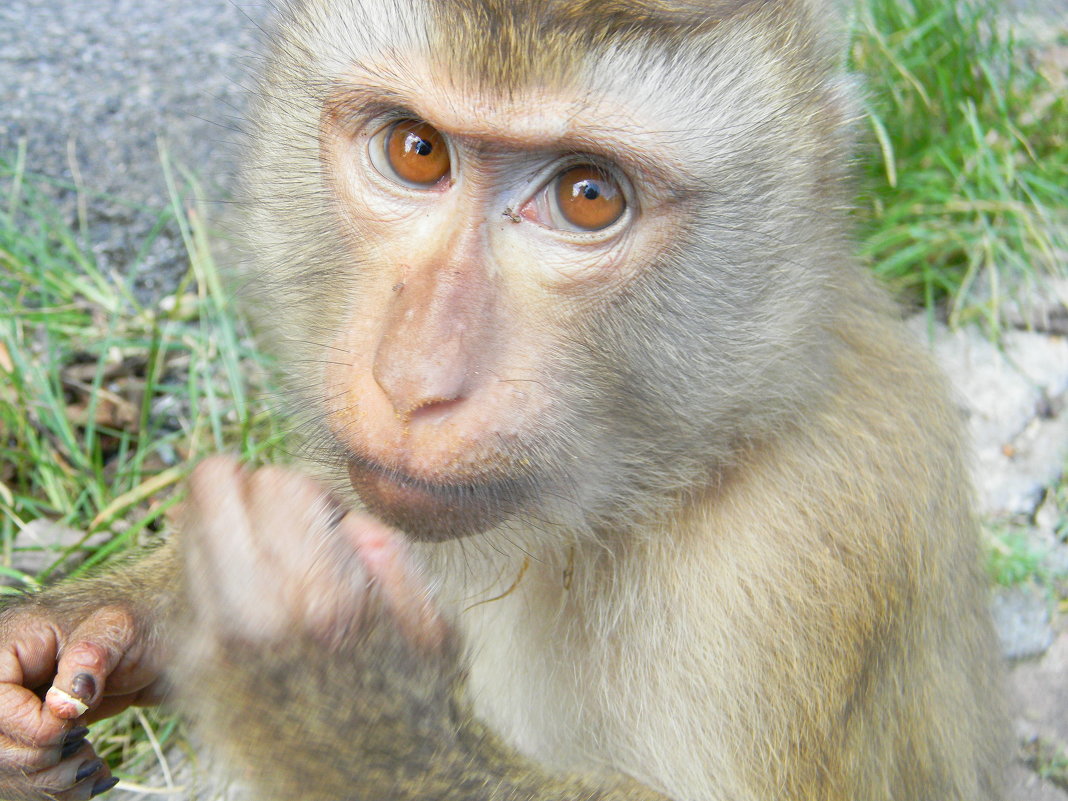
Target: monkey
point(565, 294)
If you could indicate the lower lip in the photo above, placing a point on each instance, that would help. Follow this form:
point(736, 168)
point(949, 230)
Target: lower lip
point(427, 512)
point(391, 492)
point(397, 496)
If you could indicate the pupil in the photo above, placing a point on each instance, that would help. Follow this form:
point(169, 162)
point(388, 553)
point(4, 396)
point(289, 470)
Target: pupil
point(589, 190)
point(418, 144)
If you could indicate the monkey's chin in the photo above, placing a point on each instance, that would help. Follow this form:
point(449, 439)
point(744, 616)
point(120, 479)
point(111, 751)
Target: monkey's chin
point(429, 511)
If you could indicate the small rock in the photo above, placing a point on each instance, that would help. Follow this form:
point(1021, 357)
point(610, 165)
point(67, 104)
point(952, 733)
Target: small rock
point(999, 400)
point(1015, 401)
point(1044, 308)
point(1041, 358)
point(1015, 481)
point(1041, 691)
point(1048, 517)
point(1056, 561)
point(41, 542)
point(1022, 618)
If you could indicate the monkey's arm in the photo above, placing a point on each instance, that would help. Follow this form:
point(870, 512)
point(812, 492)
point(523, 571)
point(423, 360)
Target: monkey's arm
point(96, 647)
point(372, 719)
point(318, 669)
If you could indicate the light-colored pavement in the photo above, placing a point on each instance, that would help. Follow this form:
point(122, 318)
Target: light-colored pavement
point(91, 87)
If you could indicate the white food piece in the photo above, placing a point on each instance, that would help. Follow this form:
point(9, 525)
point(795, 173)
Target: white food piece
point(80, 706)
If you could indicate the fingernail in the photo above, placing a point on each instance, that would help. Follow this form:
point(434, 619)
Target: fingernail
point(77, 733)
point(104, 785)
point(74, 740)
point(84, 686)
point(87, 769)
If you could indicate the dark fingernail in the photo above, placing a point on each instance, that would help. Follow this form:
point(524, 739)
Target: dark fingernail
point(83, 686)
point(88, 769)
point(77, 733)
point(74, 740)
point(104, 785)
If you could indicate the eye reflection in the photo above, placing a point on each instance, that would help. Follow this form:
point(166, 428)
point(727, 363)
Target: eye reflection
point(588, 198)
point(414, 154)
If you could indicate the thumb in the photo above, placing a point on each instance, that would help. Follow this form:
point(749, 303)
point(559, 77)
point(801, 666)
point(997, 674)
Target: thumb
point(86, 660)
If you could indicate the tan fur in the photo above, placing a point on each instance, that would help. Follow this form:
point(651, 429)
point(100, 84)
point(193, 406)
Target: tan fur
point(783, 599)
point(812, 628)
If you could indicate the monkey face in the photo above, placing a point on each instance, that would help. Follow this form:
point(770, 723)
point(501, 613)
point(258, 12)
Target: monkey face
point(476, 253)
point(450, 383)
point(538, 293)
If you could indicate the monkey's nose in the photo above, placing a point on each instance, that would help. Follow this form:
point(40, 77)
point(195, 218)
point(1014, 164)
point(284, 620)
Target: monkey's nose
point(435, 411)
point(435, 334)
point(421, 384)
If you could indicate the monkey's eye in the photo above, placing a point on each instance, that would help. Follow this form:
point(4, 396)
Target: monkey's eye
point(588, 198)
point(580, 198)
point(412, 153)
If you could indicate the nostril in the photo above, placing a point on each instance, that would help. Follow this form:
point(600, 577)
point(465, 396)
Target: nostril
point(434, 411)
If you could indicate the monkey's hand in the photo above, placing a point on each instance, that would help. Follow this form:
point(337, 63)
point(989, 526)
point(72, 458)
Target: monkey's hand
point(69, 656)
point(316, 664)
point(269, 552)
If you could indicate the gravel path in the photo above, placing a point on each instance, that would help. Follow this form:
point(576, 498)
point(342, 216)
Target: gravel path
point(91, 86)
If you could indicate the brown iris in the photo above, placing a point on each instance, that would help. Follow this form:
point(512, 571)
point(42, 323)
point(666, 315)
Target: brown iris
point(417, 153)
point(588, 198)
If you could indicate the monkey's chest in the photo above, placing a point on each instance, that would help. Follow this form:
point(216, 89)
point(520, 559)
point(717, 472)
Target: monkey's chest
point(538, 698)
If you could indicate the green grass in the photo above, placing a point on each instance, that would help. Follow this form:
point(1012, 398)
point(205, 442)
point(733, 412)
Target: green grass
point(105, 404)
point(966, 198)
point(1012, 556)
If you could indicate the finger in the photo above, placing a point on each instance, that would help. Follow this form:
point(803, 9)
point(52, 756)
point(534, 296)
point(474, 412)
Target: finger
point(28, 729)
point(91, 787)
point(292, 518)
point(92, 652)
point(78, 766)
point(317, 577)
point(216, 533)
point(231, 586)
point(151, 695)
point(31, 641)
point(17, 757)
point(383, 552)
point(29, 758)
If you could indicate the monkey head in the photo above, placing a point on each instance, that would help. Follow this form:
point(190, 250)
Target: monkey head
point(541, 273)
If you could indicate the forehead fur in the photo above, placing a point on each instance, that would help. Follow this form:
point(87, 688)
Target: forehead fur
point(510, 43)
point(494, 46)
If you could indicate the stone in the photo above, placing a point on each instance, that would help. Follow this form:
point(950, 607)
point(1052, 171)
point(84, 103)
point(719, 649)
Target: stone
point(1023, 622)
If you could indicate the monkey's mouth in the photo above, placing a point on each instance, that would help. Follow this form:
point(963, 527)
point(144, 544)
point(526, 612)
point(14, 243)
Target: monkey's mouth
point(434, 511)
